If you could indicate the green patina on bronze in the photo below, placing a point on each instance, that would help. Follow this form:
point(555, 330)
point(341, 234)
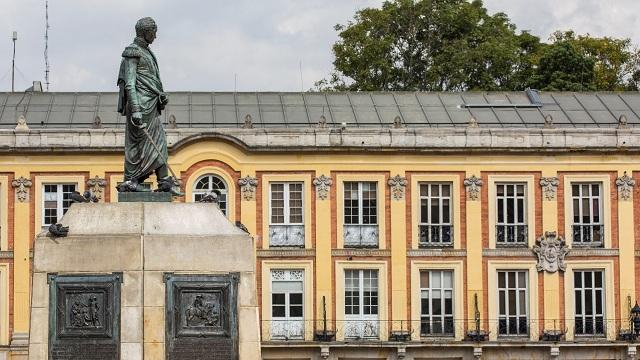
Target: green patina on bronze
point(141, 100)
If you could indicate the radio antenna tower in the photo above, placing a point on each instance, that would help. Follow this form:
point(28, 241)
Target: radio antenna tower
point(46, 44)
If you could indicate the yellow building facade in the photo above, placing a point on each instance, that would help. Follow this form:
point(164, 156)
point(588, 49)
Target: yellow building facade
point(402, 240)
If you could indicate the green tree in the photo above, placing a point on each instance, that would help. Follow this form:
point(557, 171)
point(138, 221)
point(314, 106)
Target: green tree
point(563, 67)
point(430, 45)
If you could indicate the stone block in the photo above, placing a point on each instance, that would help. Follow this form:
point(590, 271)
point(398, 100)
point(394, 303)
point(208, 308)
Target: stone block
point(99, 253)
point(131, 351)
point(37, 352)
point(247, 321)
point(199, 253)
point(154, 324)
point(249, 350)
point(154, 294)
point(132, 288)
point(39, 326)
point(101, 219)
point(40, 295)
point(154, 350)
point(247, 289)
point(131, 324)
point(125, 197)
point(187, 219)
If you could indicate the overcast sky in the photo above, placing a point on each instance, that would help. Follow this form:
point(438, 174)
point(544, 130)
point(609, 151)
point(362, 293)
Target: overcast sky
point(203, 44)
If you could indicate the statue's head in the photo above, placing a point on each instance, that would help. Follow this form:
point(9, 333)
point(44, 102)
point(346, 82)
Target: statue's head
point(146, 28)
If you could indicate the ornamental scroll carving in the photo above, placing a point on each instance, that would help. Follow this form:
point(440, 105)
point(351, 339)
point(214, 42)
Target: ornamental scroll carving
point(625, 185)
point(398, 184)
point(21, 185)
point(248, 184)
point(549, 187)
point(473, 185)
point(551, 250)
point(322, 184)
point(97, 185)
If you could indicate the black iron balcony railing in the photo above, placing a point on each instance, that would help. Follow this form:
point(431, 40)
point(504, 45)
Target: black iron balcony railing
point(590, 235)
point(511, 235)
point(435, 236)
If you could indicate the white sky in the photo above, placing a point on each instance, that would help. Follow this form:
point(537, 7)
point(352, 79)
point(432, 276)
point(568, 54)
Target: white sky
point(202, 44)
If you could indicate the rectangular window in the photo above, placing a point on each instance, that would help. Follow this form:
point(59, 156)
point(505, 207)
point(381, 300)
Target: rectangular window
point(360, 214)
point(286, 226)
point(287, 308)
point(361, 304)
point(589, 302)
point(435, 215)
point(512, 303)
point(511, 214)
point(56, 202)
point(436, 303)
point(588, 226)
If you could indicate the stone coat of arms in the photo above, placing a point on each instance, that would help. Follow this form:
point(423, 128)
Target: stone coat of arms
point(551, 250)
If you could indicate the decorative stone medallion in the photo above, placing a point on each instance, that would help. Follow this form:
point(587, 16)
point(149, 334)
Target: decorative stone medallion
point(84, 316)
point(97, 185)
point(625, 185)
point(248, 184)
point(551, 250)
point(21, 185)
point(473, 185)
point(549, 187)
point(398, 184)
point(201, 316)
point(322, 184)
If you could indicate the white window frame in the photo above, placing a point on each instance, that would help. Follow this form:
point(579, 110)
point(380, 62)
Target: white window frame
point(287, 202)
point(361, 326)
point(516, 226)
point(441, 224)
point(518, 288)
point(442, 290)
point(591, 223)
point(60, 209)
point(195, 192)
point(367, 234)
point(287, 327)
point(286, 233)
point(583, 292)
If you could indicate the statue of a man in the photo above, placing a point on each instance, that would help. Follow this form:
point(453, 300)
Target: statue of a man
point(141, 100)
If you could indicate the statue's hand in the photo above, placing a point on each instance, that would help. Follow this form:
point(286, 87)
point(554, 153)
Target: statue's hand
point(164, 99)
point(136, 119)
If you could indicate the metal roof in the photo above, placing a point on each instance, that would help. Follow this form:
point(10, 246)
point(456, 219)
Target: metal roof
point(356, 109)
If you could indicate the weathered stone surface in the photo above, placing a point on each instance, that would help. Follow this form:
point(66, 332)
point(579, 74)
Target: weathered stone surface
point(154, 324)
point(40, 295)
point(131, 328)
point(153, 288)
point(131, 351)
point(132, 288)
point(188, 219)
point(103, 219)
point(125, 197)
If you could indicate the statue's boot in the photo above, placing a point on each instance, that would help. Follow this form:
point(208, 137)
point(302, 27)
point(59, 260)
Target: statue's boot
point(169, 184)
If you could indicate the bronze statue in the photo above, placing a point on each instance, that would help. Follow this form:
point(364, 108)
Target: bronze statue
point(142, 100)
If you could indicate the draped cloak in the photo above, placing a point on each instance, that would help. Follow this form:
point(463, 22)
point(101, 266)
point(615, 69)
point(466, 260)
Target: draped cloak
point(140, 89)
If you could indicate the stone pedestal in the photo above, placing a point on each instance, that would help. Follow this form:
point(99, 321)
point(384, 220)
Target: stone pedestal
point(143, 245)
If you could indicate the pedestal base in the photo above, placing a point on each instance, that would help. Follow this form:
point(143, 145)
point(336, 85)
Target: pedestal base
point(144, 197)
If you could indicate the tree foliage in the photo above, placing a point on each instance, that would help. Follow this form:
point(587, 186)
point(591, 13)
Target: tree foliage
point(456, 45)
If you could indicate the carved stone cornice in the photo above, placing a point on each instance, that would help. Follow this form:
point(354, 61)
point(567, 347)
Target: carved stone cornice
point(322, 184)
point(22, 185)
point(551, 251)
point(360, 252)
point(473, 185)
point(549, 187)
point(625, 185)
point(397, 184)
point(515, 252)
point(248, 184)
point(436, 252)
point(97, 185)
point(6, 254)
point(274, 253)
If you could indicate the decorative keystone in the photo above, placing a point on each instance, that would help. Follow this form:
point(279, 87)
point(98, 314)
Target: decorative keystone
point(97, 185)
point(473, 185)
point(398, 184)
point(625, 185)
point(248, 185)
point(549, 187)
point(21, 185)
point(322, 184)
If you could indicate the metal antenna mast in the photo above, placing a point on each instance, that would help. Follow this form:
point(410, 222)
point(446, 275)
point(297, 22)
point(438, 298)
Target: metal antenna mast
point(46, 44)
point(13, 62)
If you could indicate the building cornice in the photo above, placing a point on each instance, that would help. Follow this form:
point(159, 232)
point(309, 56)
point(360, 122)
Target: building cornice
point(443, 140)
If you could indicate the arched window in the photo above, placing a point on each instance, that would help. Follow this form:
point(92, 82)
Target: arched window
point(207, 184)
